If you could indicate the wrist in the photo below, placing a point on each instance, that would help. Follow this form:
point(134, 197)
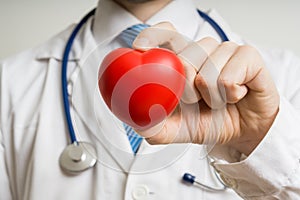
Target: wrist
point(247, 143)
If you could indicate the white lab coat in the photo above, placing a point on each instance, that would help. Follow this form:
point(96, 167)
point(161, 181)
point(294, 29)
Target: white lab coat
point(34, 133)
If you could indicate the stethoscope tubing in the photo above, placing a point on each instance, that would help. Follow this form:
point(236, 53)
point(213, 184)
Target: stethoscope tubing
point(215, 25)
point(64, 75)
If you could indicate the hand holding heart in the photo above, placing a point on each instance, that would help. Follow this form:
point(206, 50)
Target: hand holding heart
point(229, 96)
point(230, 84)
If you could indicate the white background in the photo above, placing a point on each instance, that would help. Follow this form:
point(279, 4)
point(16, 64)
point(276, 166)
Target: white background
point(270, 23)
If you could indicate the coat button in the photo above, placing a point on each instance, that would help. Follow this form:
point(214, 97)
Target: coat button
point(140, 192)
point(229, 182)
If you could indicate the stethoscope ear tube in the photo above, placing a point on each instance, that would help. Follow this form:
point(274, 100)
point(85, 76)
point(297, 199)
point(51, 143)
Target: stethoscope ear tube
point(214, 24)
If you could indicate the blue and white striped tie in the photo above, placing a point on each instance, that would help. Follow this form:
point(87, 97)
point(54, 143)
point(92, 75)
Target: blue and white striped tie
point(128, 36)
point(134, 139)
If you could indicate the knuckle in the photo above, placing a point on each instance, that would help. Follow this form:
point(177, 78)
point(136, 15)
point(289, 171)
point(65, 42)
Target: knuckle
point(209, 40)
point(247, 49)
point(229, 45)
point(251, 54)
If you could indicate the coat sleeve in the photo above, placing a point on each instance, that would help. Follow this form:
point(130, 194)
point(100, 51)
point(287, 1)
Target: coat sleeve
point(5, 192)
point(272, 170)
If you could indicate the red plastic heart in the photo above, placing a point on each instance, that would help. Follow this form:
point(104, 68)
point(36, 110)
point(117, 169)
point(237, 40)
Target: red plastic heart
point(141, 88)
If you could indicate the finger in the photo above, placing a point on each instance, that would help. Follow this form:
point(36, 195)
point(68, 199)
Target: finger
point(240, 74)
point(193, 56)
point(180, 127)
point(233, 77)
point(190, 93)
point(165, 135)
point(207, 79)
point(160, 35)
point(164, 132)
point(196, 53)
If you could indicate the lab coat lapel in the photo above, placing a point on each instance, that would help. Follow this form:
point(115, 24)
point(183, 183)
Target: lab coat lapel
point(90, 109)
point(92, 121)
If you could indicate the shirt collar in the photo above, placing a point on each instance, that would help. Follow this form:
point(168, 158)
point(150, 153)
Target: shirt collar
point(103, 28)
point(182, 14)
point(111, 19)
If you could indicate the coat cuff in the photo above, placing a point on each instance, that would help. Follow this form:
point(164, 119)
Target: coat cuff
point(271, 166)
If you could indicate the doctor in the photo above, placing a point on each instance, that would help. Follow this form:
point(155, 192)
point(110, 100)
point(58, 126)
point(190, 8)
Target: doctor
point(257, 152)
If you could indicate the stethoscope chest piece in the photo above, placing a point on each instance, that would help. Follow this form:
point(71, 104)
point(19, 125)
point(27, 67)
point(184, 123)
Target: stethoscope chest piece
point(77, 157)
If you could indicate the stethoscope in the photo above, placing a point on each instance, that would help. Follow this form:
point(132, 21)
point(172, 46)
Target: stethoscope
point(80, 156)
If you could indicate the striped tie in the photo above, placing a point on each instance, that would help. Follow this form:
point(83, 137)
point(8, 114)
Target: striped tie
point(134, 139)
point(128, 36)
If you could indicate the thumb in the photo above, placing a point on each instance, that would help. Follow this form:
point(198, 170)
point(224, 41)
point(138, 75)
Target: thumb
point(160, 35)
